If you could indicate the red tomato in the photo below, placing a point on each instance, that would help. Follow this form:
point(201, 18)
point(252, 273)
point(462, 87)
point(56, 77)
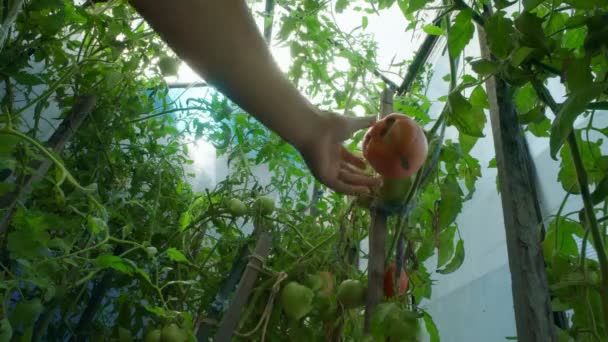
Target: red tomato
point(396, 146)
point(389, 287)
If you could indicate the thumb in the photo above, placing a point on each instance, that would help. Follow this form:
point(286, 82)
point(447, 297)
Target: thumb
point(353, 124)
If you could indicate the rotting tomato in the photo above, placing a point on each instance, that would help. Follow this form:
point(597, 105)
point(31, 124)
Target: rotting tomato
point(389, 284)
point(396, 146)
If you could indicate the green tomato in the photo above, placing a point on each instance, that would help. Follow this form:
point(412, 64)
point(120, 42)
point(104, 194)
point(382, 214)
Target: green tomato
point(394, 191)
point(351, 293)
point(168, 66)
point(153, 336)
point(236, 207)
point(151, 251)
point(264, 205)
point(296, 300)
point(173, 333)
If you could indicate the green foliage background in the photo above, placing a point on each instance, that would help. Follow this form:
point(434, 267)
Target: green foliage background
point(114, 242)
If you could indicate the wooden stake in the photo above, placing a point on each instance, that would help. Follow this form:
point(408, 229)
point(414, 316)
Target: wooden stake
point(532, 304)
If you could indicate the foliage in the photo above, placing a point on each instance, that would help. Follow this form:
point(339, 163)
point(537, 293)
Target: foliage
point(114, 239)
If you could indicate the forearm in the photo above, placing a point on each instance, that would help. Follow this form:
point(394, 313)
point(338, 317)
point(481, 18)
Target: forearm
point(219, 39)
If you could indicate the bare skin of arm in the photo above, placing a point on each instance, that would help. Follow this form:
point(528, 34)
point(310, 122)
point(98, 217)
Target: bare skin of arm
point(220, 41)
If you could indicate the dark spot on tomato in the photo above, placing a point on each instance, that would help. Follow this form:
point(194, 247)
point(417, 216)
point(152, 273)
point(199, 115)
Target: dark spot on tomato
point(404, 163)
point(389, 124)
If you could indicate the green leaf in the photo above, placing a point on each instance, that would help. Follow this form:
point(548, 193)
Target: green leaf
point(6, 331)
point(97, 225)
point(560, 238)
point(532, 4)
point(341, 5)
point(467, 142)
point(114, 262)
point(450, 203)
point(574, 38)
point(433, 30)
point(176, 255)
point(492, 163)
point(467, 119)
point(531, 27)
point(499, 31)
point(364, 21)
point(456, 261)
point(578, 73)
point(485, 67)
point(26, 313)
point(569, 111)
point(520, 55)
point(431, 328)
point(479, 98)
point(184, 221)
point(460, 33)
point(28, 79)
point(6, 188)
point(380, 318)
point(525, 98)
point(535, 115)
point(601, 191)
point(446, 246)
point(415, 5)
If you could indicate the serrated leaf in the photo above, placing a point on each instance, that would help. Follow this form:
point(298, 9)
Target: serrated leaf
point(467, 119)
point(479, 98)
point(485, 67)
point(460, 33)
point(114, 262)
point(499, 31)
point(456, 261)
point(569, 111)
point(433, 30)
point(176, 255)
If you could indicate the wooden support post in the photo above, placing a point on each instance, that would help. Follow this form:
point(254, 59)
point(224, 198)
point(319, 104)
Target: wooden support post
point(377, 241)
point(83, 106)
point(532, 304)
point(231, 316)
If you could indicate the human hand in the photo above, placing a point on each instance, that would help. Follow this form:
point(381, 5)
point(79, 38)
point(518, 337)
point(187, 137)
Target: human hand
point(331, 163)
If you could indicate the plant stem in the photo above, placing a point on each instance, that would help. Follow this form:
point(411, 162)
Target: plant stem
point(591, 222)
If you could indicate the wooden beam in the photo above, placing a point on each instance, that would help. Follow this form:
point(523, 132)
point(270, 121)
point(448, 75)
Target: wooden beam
point(377, 240)
point(230, 319)
point(531, 299)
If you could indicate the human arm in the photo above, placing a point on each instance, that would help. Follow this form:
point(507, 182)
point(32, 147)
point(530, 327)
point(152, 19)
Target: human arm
point(219, 39)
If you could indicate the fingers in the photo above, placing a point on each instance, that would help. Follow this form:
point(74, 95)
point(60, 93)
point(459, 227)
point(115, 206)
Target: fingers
point(358, 179)
point(352, 159)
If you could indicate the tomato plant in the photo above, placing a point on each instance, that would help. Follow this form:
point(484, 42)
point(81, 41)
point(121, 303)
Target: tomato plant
point(104, 233)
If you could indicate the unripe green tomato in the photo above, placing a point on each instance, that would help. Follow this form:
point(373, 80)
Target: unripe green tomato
point(153, 336)
point(168, 66)
point(236, 207)
point(151, 251)
point(263, 205)
point(351, 293)
point(173, 333)
point(296, 300)
point(394, 191)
